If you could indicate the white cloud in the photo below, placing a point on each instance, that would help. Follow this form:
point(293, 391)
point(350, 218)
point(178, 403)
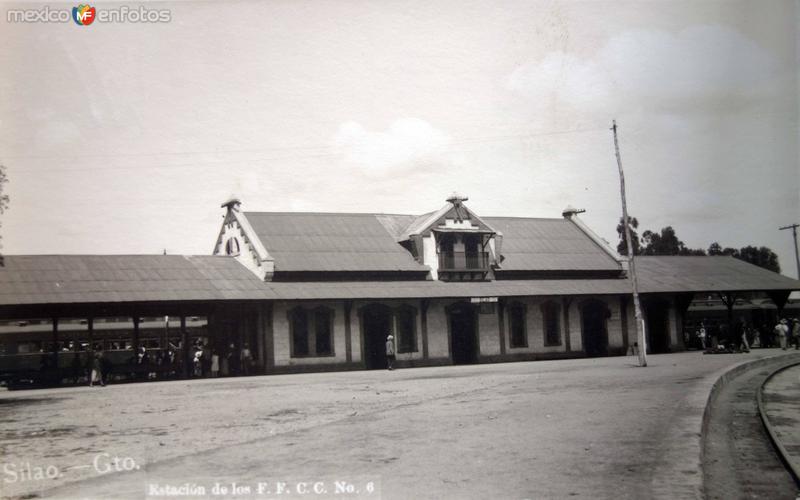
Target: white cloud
point(696, 67)
point(407, 143)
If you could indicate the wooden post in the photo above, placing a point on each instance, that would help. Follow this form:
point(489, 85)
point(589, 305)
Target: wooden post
point(184, 347)
point(566, 302)
point(55, 343)
point(501, 325)
point(424, 325)
point(348, 340)
point(90, 332)
point(640, 336)
point(136, 334)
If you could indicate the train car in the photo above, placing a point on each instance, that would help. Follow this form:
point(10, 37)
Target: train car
point(33, 355)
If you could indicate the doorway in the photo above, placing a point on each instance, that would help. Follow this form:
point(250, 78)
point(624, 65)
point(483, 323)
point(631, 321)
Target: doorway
point(376, 325)
point(463, 323)
point(594, 314)
point(657, 314)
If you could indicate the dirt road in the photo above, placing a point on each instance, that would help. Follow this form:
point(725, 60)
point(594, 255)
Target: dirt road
point(592, 428)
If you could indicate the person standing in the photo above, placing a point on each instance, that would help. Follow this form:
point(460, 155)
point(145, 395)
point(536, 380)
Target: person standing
point(390, 352)
point(796, 333)
point(97, 371)
point(234, 360)
point(246, 359)
point(781, 331)
point(214, 364)
point(703, 336)
point(741, 333)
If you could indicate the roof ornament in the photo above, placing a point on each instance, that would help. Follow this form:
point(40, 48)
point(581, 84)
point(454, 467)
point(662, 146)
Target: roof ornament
point(571, 211)
point(232, 203)
point(457, 199)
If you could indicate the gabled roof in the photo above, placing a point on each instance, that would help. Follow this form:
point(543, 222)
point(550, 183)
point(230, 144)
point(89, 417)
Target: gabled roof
point(330, 242)
point(549, 245)
point(69, 279)
point(426, 222)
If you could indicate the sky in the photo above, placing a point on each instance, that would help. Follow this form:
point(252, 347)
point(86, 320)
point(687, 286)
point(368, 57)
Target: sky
point(125, 138)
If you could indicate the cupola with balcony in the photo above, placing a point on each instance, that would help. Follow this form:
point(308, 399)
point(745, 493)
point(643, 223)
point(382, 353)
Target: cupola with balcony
point(455, 243)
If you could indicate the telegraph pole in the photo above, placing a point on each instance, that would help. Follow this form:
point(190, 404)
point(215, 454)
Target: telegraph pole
point(640, 337)
point(794, 227)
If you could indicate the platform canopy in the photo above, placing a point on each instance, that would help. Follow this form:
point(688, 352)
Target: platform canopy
point(669, 274)
point(72, 279)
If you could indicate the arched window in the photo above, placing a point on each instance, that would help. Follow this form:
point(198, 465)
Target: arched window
point(551, 317)
point(323, 326)
point(298, 324)
point(516, 325)
point(311, 332)
point(232, 246)
point(406, 329)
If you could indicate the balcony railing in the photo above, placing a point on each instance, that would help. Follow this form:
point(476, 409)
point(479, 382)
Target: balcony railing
point(464, 261)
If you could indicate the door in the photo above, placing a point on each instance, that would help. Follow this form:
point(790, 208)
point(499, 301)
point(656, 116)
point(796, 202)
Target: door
point(463, 322)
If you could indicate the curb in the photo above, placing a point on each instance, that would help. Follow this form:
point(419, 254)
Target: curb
point(782, 452)
point(723, 380)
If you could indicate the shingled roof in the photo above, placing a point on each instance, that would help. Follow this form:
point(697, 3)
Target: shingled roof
point(371, 242)
point(330, 242)
point(549, 245)
point(656, 275)
point(69, 279)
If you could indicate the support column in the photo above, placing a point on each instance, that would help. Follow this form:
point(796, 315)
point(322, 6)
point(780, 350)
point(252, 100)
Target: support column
point(259, 347)
point(423, 309)
point(729, 299)
point(269, 336)
point(136, 334)
point(348, 339)
point(90, 333)
point(184, 347)
point(623, 309)
point(565, 303)
point(501, 325)
point(55, 343)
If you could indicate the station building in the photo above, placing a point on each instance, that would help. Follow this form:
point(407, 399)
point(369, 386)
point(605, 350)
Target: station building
point(322, 291)
point(453, 287)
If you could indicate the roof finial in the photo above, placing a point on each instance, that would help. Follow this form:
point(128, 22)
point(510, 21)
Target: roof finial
point(457, 198)
point(232, 203)
point(571, 211)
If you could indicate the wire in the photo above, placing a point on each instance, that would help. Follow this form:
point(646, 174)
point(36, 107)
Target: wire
point(464, 141)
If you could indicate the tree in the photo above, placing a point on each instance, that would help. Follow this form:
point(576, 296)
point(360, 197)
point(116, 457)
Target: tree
point(622, 246)
point(666, 243)
point(759, 256)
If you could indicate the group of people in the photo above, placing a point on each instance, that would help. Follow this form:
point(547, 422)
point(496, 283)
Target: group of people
point(207, 362)
point(145, 365)
point(788, 335)
point(743, 336)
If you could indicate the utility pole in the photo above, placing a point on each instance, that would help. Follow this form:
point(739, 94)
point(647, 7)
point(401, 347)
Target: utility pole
point(794, 227)
point(640, 337)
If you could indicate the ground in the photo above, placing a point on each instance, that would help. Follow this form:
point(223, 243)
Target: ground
point(591, 428)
